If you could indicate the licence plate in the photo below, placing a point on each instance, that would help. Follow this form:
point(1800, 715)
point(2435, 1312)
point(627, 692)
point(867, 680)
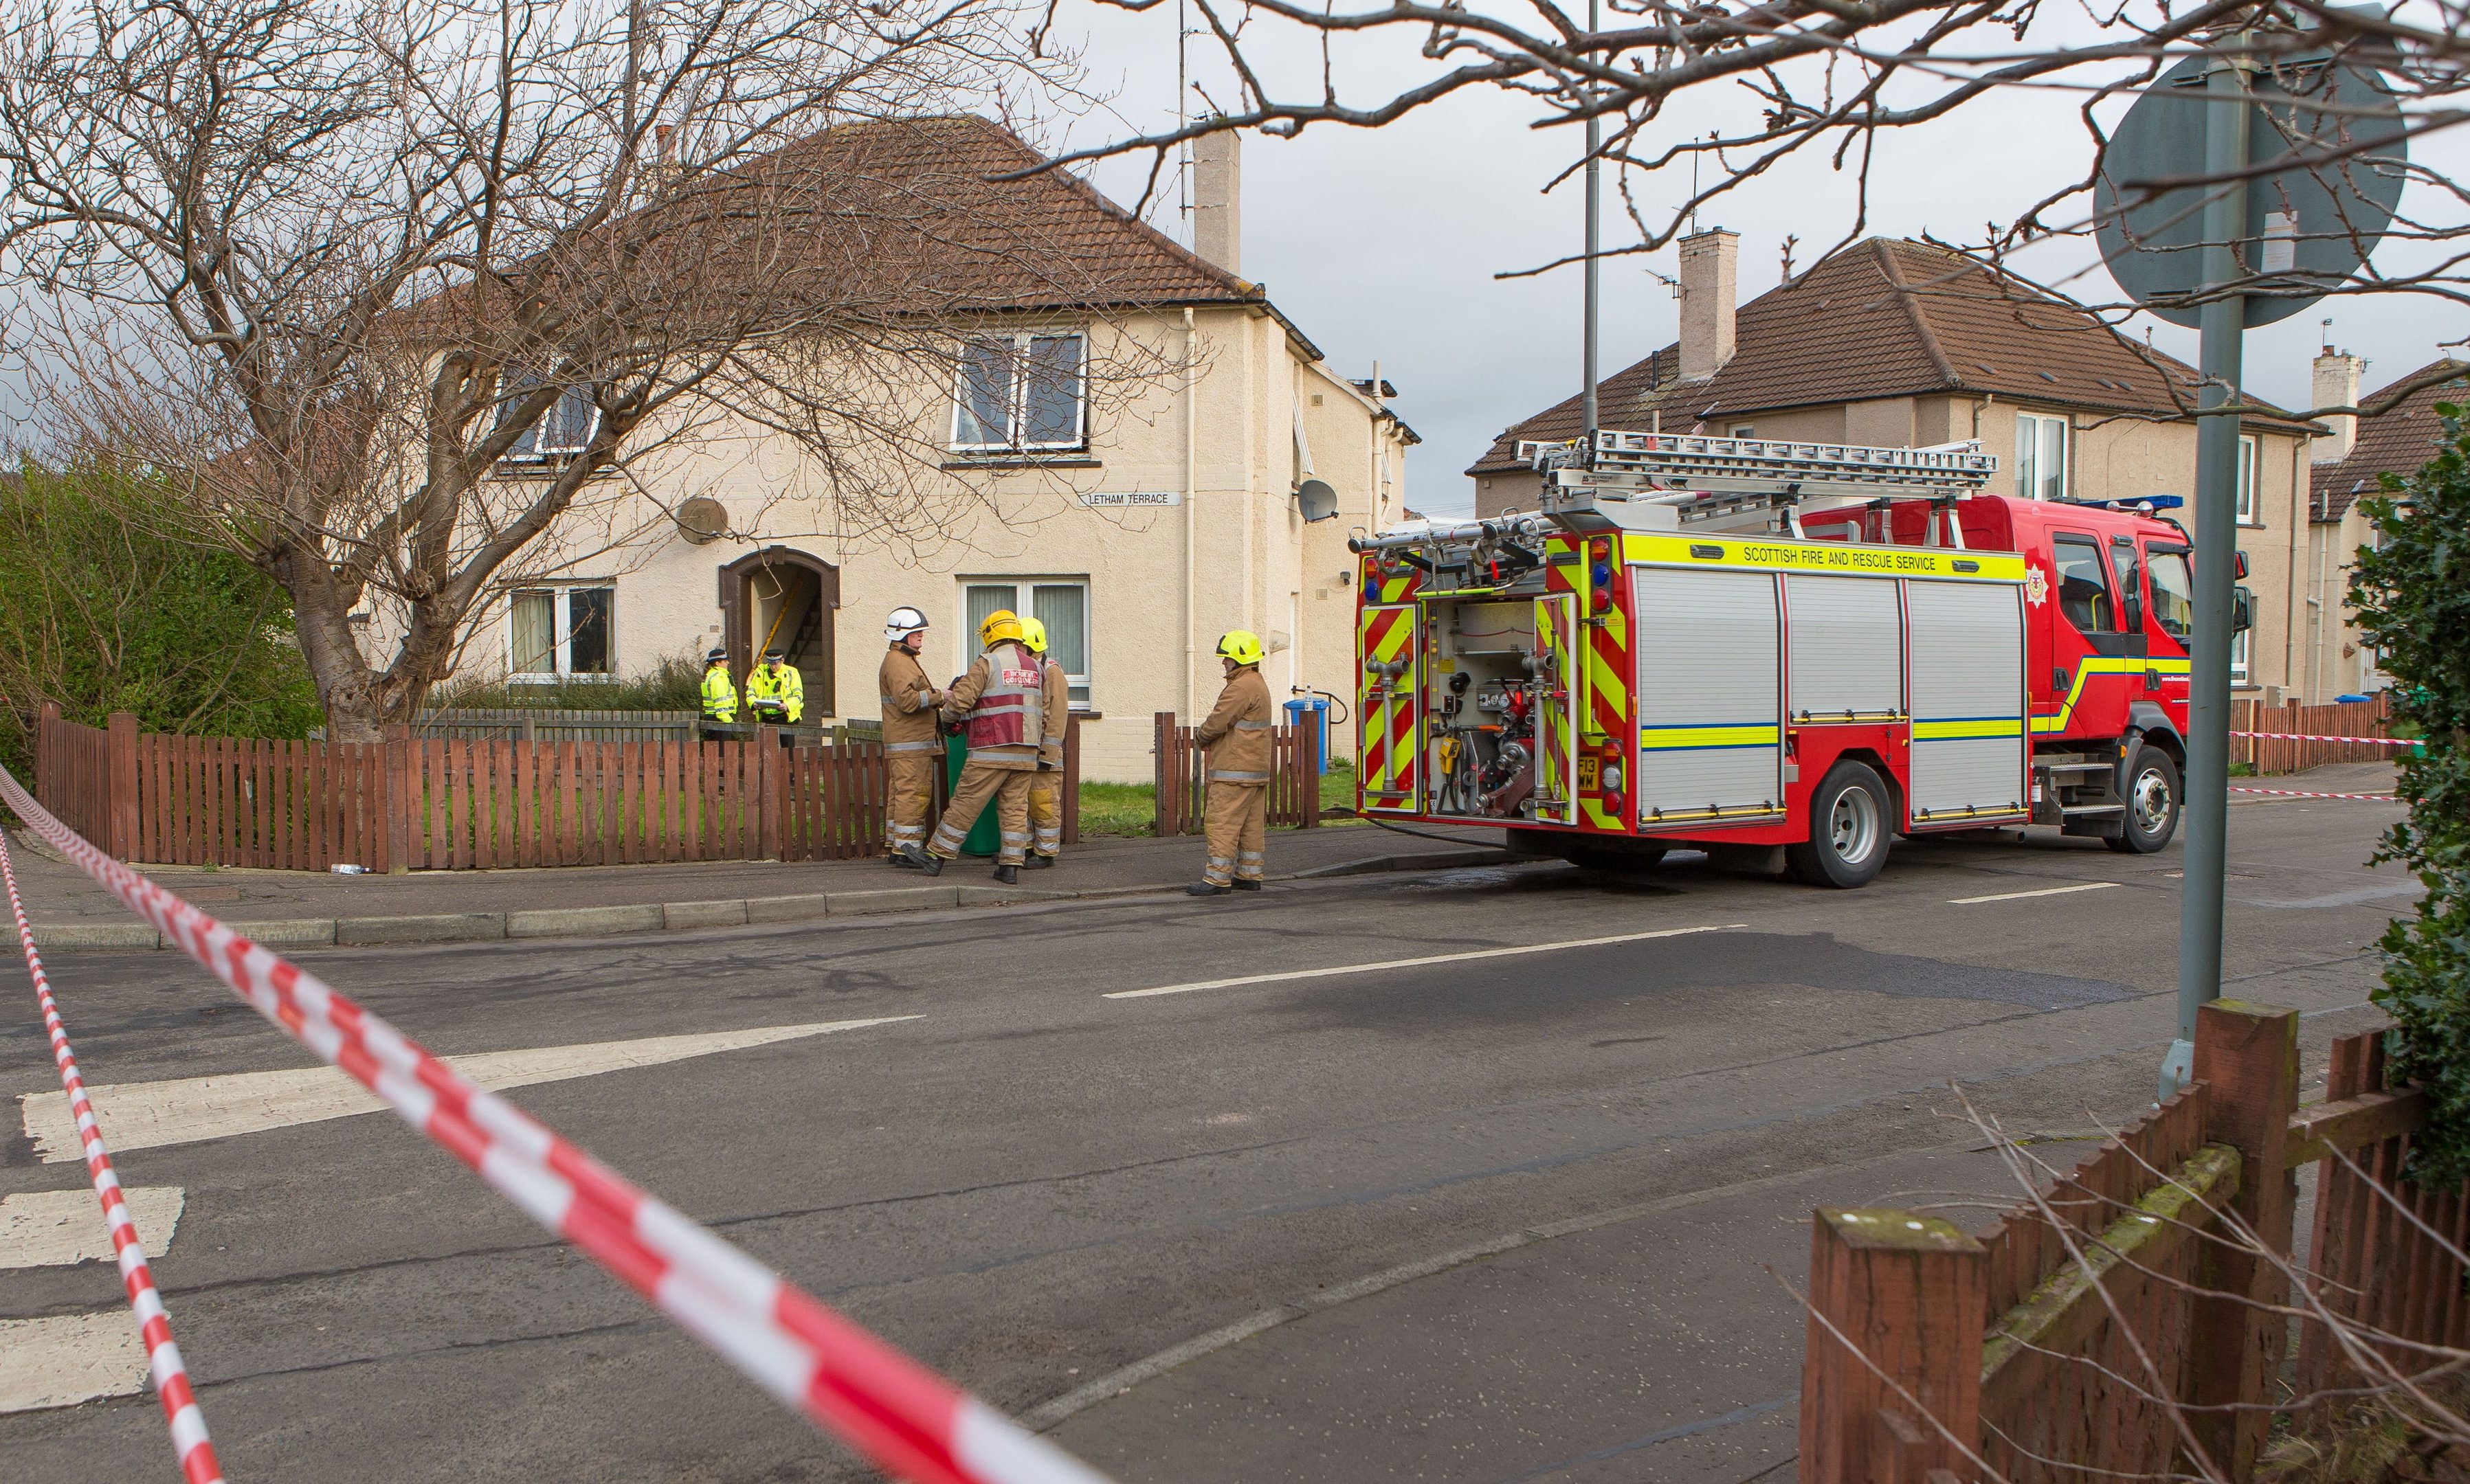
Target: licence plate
point(1591, 771)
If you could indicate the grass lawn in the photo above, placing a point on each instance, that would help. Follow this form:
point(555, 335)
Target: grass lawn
point(1131, 808)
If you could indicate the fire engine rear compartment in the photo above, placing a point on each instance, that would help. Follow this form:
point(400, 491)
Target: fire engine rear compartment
point(1488, 685)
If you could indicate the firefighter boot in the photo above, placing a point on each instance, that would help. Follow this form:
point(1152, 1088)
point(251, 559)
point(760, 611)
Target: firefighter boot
point(931, 864)
point(1207, 889)
point(1038, 862)
point(1241, 885)
point(1008, 876)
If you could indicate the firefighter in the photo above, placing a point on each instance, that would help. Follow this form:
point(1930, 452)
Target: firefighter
point(1002, 701)
point(910, 747)
point(1046, 786)
point(773, 681)
point(719, 691)
point(1237, 734)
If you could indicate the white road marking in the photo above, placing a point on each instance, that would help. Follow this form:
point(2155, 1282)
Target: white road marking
point(54, 1228)
point(185, 1110)
point(64, 1359)
point(1335, 969)
point(2009, 896)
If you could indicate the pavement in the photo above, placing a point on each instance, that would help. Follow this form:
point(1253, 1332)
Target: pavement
point(1314, 1185)
point(291, 910)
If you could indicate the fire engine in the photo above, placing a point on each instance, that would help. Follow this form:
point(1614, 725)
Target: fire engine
point(1783, 654)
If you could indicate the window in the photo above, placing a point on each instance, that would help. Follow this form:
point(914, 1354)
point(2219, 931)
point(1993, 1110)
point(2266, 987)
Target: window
point(1744, 431)
point(1019, 391)
point(2084, 586)
point(2247, 515)
point(2238, 657)
point(1062, 604)
point(2041, 456)
point(556, 632)
point(565, 427)
point(2174, 591)
point(2130, 582)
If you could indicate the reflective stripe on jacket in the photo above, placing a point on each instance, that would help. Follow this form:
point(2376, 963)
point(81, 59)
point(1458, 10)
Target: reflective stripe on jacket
point(1003, 700)
point(785, 685)
point(1237, 730)
point(719, 694)
point(908, 704)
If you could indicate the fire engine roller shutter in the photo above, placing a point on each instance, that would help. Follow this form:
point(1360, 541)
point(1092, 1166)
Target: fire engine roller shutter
point(1966, 662)
point(1846, 663)
point(1710, 705)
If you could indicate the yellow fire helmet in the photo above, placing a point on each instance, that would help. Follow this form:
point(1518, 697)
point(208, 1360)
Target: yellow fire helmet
point(1034, 634)
point(1241, 645)
point(1000, 625)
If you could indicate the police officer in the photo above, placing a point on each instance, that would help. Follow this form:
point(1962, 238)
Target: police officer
point(1046, 786)
point(911, 749)
point(1002, 701)
point(1237, 734)
point(719, 691)
point(775, 682)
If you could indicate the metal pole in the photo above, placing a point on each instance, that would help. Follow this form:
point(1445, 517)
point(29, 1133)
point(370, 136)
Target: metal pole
point(2222, 324)
point(1594, 232)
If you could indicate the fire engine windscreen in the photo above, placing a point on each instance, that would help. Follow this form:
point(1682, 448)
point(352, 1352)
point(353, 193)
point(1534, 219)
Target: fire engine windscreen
point(1484, 688)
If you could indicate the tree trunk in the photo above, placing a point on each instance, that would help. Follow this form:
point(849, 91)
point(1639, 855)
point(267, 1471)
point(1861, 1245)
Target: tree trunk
point(321, 618)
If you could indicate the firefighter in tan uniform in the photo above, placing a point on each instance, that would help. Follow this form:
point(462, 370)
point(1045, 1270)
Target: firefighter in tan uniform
point(1237, 734)
point(1002, 701)
point(1046, 786)
point(911, 748)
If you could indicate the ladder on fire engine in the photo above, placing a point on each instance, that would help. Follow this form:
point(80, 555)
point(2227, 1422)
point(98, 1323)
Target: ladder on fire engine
point(1702, 479)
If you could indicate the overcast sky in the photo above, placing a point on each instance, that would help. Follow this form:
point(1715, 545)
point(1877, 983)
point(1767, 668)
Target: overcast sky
point(1382, 245)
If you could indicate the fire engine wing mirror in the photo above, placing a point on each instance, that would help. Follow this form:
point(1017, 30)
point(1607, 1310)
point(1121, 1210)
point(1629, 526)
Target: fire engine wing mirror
point(2242, 609)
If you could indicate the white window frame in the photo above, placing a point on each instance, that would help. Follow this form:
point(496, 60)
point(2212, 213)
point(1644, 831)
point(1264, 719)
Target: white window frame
point(2248, 454)
point(1015, 410)
point(2238, 656)
point(2028, 484)
point(1023, 602)
point(541, 453)
point(562, 626)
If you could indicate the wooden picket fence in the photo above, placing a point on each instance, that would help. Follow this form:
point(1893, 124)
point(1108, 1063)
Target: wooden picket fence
point(2042, 1348)
point(2370, 718)
point(549, 723)
point(455, 804)
point(1179, 769)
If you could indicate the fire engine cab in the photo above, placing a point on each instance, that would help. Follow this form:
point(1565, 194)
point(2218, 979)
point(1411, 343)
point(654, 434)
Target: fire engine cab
point(1783, 654)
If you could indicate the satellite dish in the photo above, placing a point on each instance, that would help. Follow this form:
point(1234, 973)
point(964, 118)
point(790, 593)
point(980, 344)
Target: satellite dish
point(702, 520)
point(1316, 500)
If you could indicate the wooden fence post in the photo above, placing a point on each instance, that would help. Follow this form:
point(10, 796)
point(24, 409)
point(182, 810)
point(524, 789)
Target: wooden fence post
point(1910, 1293)
point(399, 785)
point(1071, 799)
point(2248, 1057)
point(44, 785)
point(121, 801)
point(770, 797)
point(1164, 805)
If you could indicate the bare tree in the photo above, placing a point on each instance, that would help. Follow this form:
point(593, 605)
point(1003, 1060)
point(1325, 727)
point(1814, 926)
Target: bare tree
point(1831, 77)
point(412, 296)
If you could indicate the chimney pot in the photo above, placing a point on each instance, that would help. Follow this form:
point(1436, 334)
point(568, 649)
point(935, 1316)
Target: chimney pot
point(1707, 264)
point(1218, 200)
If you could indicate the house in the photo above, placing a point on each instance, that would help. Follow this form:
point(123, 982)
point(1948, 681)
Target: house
point(1136, 517)
point(2396, 431)
point(1902, 344)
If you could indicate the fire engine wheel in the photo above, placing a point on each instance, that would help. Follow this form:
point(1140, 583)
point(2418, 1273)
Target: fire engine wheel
point(1848, 829)
point(2151, 803)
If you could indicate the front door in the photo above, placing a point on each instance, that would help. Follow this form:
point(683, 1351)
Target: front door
point(1389, 708)
point(1556, 709)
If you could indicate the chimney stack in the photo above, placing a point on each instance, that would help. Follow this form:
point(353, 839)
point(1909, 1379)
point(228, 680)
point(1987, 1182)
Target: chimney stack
point(1218, 200)
point(2335, 385)
point(1708, 262)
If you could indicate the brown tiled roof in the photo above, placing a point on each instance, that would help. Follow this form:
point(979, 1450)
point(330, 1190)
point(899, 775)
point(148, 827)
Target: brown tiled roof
point(1887, 318)
point(2396, 434)
point(1626, 399)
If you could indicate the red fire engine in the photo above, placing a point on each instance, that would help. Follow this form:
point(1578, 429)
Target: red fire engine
point(1783, 654)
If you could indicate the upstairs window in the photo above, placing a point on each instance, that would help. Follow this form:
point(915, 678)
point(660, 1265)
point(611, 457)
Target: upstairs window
point(2041, 456)
point(2247, 515)
point(565, 429)
point(1020, 392)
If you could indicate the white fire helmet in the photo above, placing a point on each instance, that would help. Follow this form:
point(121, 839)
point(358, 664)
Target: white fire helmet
point(903, 622)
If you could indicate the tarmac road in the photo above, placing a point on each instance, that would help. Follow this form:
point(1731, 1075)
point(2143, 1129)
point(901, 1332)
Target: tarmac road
point(1497, 1216)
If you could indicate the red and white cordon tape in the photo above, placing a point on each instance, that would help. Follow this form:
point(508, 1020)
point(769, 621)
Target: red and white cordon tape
point(2311, 736)
point(2293, 793)
point(197, 1452)
point(904, 1418)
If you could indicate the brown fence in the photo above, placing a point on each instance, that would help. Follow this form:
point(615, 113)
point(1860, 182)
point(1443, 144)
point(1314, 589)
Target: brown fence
point(1181, 771)
point(2369, 718)
point(437, 805)
point(2054, 1345)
